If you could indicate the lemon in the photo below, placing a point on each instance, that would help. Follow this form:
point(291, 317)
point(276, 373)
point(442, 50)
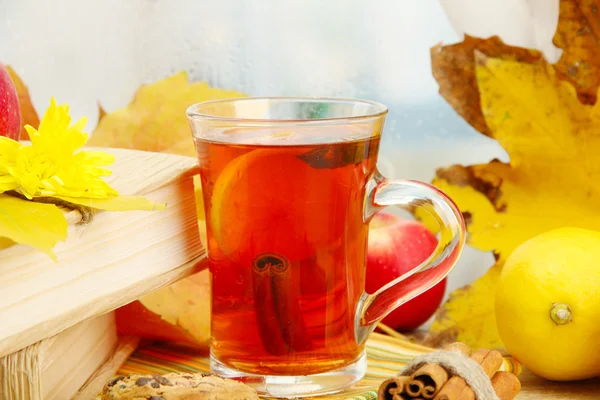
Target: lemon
point(548, 304)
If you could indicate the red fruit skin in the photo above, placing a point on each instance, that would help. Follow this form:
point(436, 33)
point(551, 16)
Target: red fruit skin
point(397, 245)
point(10, 112)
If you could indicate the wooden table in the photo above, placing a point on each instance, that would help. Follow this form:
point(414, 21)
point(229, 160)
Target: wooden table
point(536, 388)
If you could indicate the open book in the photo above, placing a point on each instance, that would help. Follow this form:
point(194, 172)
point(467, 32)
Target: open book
point(117, 258)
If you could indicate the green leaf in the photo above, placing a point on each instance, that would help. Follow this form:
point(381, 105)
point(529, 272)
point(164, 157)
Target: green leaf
point(34, 224)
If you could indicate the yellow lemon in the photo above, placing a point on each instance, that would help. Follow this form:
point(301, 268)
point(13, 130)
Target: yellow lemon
point(548, 304)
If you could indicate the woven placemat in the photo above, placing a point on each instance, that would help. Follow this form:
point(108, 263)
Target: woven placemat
point(386, 355)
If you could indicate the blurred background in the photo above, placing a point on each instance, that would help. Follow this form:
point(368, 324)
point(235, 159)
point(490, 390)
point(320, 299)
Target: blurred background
point(89, 51)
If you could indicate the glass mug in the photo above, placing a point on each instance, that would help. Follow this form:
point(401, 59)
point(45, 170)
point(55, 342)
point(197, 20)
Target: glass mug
point(289, 186)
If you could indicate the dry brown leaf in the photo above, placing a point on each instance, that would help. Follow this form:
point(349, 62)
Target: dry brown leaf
point(28, 114)
point(578, 35)
point(101, 113)
point(454, 69)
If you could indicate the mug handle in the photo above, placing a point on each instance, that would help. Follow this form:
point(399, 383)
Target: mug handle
point(383, 192)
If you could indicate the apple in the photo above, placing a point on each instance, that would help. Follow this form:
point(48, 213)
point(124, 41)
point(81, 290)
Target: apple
point(396, 245)
point(10, 112)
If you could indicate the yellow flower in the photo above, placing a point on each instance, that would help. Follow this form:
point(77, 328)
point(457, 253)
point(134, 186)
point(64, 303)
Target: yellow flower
point(51, 165)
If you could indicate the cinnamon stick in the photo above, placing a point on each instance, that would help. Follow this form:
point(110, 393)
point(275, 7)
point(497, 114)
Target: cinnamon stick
point(431, 381)
point(414, 388)
point(460, 348)
point(460, 390)
point(287, 304)
point(279, 318)
point(506, 385)
point(266, 314)
point(467, 394)
point(490, 361)
point(452, 389)
point(393, 388)
point(432, 377)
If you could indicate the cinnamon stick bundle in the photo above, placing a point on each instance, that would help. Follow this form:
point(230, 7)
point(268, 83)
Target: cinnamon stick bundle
point(393, 388)
point(429, 379)
point(433, 381)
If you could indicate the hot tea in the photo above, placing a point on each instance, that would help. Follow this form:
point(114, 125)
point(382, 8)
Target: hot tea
point(287, 246)
point(290, 185)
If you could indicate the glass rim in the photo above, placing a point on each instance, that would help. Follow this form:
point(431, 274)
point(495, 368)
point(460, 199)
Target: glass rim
point(379, 110)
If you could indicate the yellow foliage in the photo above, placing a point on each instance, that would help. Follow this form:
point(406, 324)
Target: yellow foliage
point(118, 203)
point(34, 224)
point(468, 316)
point(50, 169)
point(550, 182)
point(185, 304)
point(155, 120)
point(553, 147)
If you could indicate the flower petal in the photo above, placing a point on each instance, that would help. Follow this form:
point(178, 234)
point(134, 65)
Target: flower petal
point(35, 224)
point(118, 203)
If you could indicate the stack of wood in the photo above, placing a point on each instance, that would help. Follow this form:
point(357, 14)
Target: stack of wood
point(439, 382)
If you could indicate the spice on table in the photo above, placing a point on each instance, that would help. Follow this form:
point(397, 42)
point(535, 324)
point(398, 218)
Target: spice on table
point(456, 373)
point(392, 388)
point(455, 388)
point(429, 379)
point(506, 385)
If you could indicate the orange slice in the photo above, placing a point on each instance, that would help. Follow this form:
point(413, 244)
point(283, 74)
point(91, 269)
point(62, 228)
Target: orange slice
point(270, 201)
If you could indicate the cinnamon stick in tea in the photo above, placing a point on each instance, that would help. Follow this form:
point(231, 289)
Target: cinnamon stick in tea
point(506, 385)
point(281, 325)
point(432, 377)
point(392, 388)
point(266, 315)
point(287, 305)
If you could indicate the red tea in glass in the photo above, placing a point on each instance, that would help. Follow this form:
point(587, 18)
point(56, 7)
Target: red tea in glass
point(289, 187)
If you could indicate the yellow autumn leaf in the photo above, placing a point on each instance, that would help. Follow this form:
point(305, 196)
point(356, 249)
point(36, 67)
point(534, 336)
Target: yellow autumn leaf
point(553, 144)
point(471, 322)
point(118, 203)
point(156, 120)
point(184, 304)
point(34, 224)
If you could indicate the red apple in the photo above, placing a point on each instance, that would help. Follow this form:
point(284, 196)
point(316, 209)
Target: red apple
point(397, 245)
point(10, 113)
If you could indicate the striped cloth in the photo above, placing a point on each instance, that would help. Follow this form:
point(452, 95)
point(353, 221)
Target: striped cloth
point(386, 355)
